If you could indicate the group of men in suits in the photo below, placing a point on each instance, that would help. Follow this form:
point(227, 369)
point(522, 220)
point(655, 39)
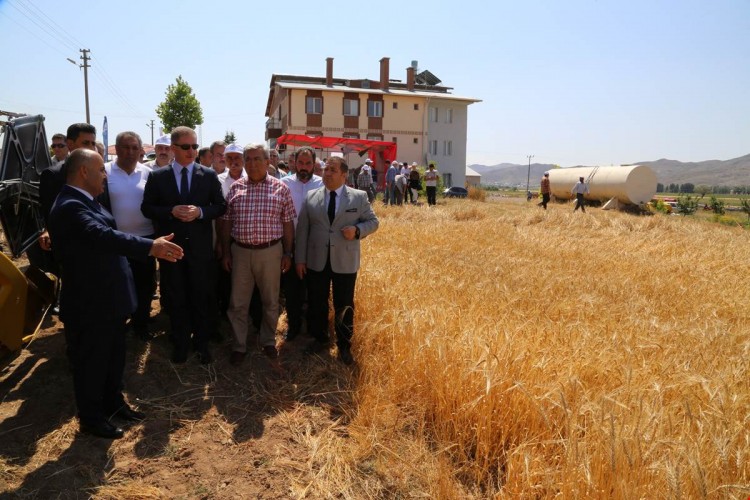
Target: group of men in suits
point(266, 234)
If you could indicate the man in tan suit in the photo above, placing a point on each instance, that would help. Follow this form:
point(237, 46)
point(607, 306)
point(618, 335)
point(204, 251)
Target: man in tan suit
point(331, 222)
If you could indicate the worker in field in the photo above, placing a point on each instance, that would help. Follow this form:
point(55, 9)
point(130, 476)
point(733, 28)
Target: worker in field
point(545, 189)
point(579, 190)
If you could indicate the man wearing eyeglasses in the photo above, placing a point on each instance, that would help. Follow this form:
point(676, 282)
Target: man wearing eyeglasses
point(183, 200)
point(59, 149)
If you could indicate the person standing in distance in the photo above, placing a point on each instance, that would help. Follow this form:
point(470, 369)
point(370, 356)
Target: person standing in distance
point(579, 190)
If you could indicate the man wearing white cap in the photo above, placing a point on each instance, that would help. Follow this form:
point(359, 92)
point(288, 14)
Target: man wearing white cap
point(234, 171)
point(164, 154)
point(364, 180)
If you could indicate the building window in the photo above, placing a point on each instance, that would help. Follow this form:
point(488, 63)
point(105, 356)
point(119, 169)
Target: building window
point(395, 105)
point(416, 107)
point(416, 141)
point(447, 148)
point(375, 108)
point(433, 148)
point(447, 180)
point(433, 114)
point(349, 135)
point(351, 107)
point(314, 106)
point(394, 139)
point(374, 137)
point(448, 116)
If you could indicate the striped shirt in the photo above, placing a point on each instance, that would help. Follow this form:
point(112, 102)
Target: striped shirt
point(257, 211)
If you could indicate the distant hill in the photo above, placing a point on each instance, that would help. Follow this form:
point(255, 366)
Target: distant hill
point(734, 172)
point(509, 174)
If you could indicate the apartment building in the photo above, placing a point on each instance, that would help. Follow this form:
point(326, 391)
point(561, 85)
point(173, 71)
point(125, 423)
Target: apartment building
point(423, 118)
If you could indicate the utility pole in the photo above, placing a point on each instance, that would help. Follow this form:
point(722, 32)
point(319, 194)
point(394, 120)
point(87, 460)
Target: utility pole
point(152, 131)
point(85, 58)
point(528, 177)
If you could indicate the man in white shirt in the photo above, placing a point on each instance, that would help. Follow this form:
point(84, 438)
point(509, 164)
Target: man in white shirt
point(579, 190)
point(235, 170)
point(430, 182)
point(126, 180)
point(300, 184)
point(59, 148)
point(164, 154)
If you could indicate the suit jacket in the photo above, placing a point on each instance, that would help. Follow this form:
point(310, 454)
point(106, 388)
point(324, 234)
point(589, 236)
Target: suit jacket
point(162, 194)
point(316, 235)
point(51, 181)
point(97, 281)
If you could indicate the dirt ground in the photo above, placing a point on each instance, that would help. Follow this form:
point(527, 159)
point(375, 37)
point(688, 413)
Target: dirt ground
point(214, 431)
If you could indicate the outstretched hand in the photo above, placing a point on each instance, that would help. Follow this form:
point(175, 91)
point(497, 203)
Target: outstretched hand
point(164, 249)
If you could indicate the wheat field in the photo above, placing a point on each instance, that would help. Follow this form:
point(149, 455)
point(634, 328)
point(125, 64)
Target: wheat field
point(509, 352)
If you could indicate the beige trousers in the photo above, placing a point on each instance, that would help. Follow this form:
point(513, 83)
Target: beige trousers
point(260, 267)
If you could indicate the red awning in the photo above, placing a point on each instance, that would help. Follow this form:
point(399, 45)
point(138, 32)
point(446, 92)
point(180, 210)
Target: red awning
point(376, 150)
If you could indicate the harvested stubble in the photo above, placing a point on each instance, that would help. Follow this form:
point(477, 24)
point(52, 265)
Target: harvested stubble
point(506, 351)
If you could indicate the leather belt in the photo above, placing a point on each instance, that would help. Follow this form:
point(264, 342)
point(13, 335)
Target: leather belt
point(258, 246)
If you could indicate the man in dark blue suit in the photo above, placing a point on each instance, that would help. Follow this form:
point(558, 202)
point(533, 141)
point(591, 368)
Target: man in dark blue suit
point(183, 199)
point(98, 293)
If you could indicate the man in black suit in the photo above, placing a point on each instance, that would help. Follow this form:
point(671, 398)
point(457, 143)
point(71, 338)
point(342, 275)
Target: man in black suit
point(51, 180)
point(98, 295)
point(183, 199)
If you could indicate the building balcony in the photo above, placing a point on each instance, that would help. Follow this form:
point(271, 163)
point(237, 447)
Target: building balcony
point(273, 128)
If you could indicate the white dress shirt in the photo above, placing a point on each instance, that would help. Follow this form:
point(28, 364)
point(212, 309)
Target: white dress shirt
point(126, 196)
point(226, 181)
point(300, 189)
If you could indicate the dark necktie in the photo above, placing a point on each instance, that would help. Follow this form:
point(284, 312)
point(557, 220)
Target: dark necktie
point(184, 190)
point(332, 207)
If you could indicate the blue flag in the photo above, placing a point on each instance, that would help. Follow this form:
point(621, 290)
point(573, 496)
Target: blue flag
point(105, 138)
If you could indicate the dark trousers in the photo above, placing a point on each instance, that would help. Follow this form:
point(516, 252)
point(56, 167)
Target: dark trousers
point(579, 202)
point(97, 355)
point(144, 278)
point(294, 298)
point(545, 200)
point(431, 195)
point(319, 284)
point(190, 286)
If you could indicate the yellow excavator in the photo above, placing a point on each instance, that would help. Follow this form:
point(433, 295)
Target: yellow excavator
point(25, 295)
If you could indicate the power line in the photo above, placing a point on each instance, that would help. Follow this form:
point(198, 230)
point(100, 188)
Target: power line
point(55, 36)
point(51, 25)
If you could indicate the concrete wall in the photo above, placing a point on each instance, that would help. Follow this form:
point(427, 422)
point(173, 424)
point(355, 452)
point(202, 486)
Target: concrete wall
point(453, 163)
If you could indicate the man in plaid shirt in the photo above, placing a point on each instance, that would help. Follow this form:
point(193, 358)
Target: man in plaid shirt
point(257, 234)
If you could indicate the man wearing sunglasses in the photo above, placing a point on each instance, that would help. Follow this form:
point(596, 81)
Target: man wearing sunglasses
point(59, 149)
point(183, 199)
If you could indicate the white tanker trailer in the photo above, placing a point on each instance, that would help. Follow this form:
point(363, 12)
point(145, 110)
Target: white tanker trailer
point(626, 185)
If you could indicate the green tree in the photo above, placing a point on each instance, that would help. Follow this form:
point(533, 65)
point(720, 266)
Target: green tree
point(688, 187)
point(229, 137)
point(180, 107)
point(686, 205)
point(716, 205)
point(702, 190)
point(745, 207)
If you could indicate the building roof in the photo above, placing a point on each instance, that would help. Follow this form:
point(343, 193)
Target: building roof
point(472, 173)
point(395, 88)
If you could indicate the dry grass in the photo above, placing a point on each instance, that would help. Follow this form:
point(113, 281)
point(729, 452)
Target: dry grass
point(524, 353)
point(477, 194)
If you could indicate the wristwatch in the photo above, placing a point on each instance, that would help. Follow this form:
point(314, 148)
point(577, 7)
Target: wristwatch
point(356, 233)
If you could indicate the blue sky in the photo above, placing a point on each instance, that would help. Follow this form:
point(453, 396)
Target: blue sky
point(571, 82)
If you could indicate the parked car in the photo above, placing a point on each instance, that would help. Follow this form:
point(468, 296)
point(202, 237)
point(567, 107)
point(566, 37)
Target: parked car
point(455, 192)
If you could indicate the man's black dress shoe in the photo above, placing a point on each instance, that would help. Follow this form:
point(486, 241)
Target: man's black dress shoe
point(127, 413)
point(345, 355)
point(101, 429)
